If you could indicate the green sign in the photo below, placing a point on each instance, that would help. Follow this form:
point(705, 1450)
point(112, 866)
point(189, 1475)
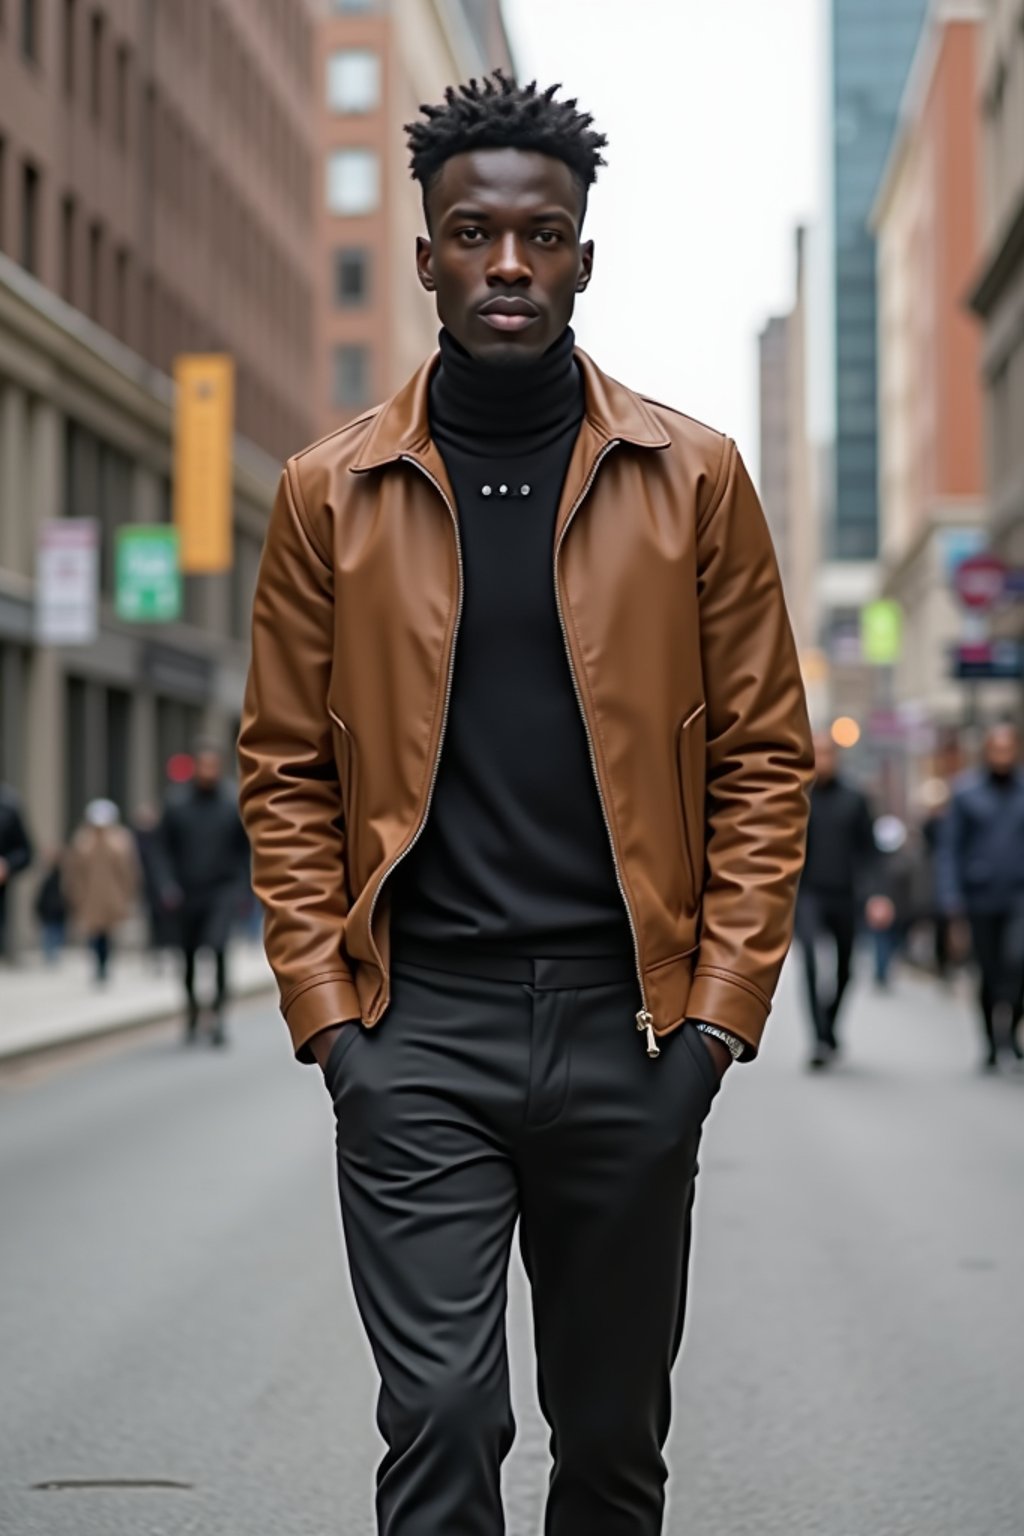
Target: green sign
point(881, 632)
point(148, 587)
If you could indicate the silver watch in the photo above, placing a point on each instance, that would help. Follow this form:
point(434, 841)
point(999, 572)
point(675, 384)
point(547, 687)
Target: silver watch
point(734, 1046)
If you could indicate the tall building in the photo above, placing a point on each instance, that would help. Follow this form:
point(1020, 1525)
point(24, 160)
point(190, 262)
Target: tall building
point(376, 63)
point(873, 42)
point(786, 456)
point(156, 197)
point(998, 295)
point(932, 475)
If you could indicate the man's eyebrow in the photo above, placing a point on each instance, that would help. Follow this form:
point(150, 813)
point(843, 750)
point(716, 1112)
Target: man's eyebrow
point(468, 214)
point(471, 215)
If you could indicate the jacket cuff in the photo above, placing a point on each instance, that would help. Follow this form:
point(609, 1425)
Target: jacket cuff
point(732, 1004)
point(326, 1001)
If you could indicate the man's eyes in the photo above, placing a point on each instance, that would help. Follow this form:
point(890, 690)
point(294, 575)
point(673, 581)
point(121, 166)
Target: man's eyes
point(473, 235)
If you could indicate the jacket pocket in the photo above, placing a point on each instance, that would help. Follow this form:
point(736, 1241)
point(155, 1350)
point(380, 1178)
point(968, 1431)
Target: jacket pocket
point(690, 748)
point(344, 759)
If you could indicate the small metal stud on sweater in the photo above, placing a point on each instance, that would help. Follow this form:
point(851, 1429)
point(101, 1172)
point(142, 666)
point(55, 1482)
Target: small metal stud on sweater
point(506, 490)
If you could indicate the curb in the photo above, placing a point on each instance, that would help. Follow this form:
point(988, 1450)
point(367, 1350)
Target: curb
point(141, 1017)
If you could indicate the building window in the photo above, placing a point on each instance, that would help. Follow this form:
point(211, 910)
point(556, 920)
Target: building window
point(122, 87)
point(30, 218)
point(353, 181)
point(353, 80)
point(30, 30)
point(351, 278)
point(68, 226)
point(70, 24)
point(351, 376)
point(121, 271)
point(95, 285)
point(97, 29)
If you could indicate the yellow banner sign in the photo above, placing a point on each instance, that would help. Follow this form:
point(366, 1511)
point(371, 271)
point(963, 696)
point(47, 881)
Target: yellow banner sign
point(203, 434)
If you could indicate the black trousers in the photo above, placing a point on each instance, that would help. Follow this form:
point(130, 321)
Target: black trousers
point(476, 1103)
point(819, 917)
point(205, 924)
point(998, 942)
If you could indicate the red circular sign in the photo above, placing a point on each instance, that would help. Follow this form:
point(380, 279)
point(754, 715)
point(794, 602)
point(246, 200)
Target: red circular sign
point(980, 581)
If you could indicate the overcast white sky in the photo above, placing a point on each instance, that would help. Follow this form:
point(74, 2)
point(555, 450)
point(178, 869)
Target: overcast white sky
point(714, 109)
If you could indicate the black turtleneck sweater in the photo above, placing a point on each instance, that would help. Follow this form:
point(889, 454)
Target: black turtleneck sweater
point(515, 856)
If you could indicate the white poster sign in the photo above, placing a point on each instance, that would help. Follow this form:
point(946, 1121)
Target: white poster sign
point(68, 581)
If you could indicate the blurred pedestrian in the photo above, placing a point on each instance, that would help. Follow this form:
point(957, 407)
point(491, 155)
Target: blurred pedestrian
point(982, 877)
point(51, 907)
point(15, 852)
point(101, 879)
point(524, 928)
point(207, 857)
point(157, 884)
point(934, 801)
point(833, 889)
point(889, 908)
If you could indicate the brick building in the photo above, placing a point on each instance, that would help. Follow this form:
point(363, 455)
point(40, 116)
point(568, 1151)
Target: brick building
point(376, 62)
point(156, 196)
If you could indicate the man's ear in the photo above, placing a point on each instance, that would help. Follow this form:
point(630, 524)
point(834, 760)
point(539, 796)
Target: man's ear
point(586, 266)
point(424, 263)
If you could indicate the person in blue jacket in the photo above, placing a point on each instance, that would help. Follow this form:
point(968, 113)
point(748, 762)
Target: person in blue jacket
point(981, 878)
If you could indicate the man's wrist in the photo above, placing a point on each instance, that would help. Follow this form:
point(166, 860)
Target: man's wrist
point(733, 1044)
point(322, 1042)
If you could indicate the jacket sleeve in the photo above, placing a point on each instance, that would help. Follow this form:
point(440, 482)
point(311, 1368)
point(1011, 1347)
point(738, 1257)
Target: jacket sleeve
point(949, 858)
point(289, 794)
point(19, 851)
point(759, 761)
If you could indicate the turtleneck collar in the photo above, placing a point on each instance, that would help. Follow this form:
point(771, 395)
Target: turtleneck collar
point(506, 409)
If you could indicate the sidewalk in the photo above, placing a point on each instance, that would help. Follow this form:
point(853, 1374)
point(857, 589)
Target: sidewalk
point(42, 1007)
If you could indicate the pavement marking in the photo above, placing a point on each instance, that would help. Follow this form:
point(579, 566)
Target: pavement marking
point(74, 1484)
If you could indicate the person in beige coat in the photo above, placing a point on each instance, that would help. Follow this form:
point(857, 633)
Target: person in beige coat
point(102, 879)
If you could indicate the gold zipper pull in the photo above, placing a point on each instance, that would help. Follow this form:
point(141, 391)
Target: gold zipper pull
point(645, 1025)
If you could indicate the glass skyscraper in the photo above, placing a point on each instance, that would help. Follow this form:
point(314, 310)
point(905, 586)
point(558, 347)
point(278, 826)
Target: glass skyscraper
point(873, 44)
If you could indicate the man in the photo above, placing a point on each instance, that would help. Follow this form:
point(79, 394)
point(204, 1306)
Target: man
point(15, 852)
point(524, 762)
point(981, 876)
point(207, 859)
point(833, 888)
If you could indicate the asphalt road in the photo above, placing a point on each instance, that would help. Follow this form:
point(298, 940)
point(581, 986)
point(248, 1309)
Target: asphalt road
point(176, 1327)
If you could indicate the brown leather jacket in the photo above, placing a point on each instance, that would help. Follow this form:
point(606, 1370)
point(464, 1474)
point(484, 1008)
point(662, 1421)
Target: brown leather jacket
point(683, 662)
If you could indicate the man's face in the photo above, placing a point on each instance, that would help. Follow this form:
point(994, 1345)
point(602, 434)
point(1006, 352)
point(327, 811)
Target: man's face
point(208, 769)
point(504, 255)
point(1002, 749)
point(824, 758)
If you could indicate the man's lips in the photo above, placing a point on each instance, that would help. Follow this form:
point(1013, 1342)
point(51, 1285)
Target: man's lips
point(501, 320)
point(509, 314)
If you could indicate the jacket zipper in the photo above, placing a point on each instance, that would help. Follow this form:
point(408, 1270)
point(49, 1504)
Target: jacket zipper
point(644, 1018)
point(406, 459)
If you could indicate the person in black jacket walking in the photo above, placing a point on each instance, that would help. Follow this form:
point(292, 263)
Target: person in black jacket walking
point(840, 857)
point(207, 858)
point(981, 877)
point(15, 852)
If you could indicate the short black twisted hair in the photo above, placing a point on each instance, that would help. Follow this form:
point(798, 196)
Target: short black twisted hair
point(498, 113)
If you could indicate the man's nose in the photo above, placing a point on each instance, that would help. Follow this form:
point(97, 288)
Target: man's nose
point(508, 263)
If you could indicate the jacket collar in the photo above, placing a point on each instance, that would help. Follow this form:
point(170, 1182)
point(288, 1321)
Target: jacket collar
point(401, 428)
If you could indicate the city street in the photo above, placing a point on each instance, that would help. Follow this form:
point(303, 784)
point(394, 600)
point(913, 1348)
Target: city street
point(177, 1329)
